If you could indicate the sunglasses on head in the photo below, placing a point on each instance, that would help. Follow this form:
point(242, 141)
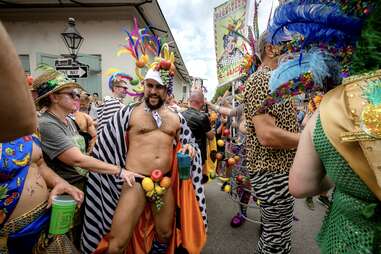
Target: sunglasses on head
point(73, 94)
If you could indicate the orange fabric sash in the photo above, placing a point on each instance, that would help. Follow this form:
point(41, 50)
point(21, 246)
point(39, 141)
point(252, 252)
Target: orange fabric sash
point(191, 233)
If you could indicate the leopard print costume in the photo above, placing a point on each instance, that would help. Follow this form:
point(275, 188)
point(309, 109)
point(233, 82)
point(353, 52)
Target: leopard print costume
point(269, 167)
point(258, 156)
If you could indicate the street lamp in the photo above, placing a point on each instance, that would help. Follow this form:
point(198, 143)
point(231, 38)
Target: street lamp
point(72, 38)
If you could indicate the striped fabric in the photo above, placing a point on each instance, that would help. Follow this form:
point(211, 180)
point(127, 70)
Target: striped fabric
point(104, 112)
point(277, 207)
point(103, 191)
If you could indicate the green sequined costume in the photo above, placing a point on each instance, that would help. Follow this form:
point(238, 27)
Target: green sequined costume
point(345, 228)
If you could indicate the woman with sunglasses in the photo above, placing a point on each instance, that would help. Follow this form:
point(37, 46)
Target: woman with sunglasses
point(63, 147)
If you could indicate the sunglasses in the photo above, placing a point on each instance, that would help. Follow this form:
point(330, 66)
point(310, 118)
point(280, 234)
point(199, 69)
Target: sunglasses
point(73, 94)
point(124, 87)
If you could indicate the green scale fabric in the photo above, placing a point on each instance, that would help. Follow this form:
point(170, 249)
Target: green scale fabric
point(345, 229)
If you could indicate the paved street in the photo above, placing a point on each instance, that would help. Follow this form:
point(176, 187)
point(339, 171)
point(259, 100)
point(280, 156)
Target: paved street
point(223, 239)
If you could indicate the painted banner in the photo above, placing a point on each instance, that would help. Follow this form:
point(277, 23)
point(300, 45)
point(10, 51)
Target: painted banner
point(229, 21)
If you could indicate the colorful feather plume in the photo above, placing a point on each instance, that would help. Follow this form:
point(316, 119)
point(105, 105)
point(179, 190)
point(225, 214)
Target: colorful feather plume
point(316, 22)
point(320, 64)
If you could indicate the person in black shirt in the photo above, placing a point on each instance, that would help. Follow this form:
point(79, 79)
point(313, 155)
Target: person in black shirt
point(199, 124)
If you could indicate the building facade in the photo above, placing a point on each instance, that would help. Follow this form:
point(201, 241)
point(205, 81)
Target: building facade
point(35, 27)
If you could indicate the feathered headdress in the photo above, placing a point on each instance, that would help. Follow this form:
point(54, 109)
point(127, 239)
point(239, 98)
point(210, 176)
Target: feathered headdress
point(141, 45)
point(317, 22)
point(319, 36)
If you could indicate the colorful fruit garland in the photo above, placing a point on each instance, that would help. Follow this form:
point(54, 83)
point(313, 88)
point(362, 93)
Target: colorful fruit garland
point(155, 187)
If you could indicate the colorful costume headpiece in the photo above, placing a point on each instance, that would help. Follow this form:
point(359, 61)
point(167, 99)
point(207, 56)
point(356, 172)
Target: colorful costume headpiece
point(141, 45)
point(318, 37)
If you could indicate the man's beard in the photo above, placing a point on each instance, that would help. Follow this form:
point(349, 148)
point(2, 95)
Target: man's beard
point(153, 107)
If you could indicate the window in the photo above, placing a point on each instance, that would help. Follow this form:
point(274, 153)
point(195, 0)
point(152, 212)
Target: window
point(25, 63)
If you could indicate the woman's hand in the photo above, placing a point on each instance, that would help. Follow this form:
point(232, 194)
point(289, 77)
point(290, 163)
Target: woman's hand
point(65, 187)
point(129, 177)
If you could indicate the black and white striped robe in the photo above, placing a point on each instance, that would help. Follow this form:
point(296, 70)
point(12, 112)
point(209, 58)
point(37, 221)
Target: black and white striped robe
point(103, 191)
point(105, 111)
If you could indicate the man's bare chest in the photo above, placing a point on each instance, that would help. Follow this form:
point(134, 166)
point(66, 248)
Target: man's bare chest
point(144, 123)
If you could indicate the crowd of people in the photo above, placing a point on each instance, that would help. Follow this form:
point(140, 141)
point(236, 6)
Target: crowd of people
point(120, 163)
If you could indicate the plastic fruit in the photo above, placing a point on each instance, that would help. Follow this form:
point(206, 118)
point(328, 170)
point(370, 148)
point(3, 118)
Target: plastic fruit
point(134, 82)
point(219, 156)
point(165, 182)
point(144, 58)
point(156, 175)
point(231, 161)
point(220, 143)
point(239, 178)
point(147, 184)
point(227, 188)
point(150, 193)
point(173, 67)
point(236, 158)
point(226, 132)
point(159, 190)
point(140, 64)
point(165, 64)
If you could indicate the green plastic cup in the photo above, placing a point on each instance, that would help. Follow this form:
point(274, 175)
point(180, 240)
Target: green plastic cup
point(184, 163)
point(63, 210)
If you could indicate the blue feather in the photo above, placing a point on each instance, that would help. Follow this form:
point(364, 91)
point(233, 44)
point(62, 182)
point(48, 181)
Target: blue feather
point(316, 62)
point(315, 22)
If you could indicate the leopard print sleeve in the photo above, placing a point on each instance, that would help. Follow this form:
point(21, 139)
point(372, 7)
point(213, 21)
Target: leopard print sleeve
point(256, 91)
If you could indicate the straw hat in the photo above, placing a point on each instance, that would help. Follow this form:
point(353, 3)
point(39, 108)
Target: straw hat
point(50, 82)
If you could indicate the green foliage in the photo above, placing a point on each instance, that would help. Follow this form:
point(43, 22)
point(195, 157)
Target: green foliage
point(367, 55)
point(220, 91)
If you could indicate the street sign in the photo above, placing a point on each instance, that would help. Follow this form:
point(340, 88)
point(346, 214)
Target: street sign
point(63, 62)
point(74, 71)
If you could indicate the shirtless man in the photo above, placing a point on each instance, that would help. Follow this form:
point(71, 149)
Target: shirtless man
point(149, 147)
point(151, 132)
point(22, 163)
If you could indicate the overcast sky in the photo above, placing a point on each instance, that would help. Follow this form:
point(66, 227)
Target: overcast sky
point(191, 23)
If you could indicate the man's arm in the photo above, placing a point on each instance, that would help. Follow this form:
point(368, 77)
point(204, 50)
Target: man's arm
point(16, 104)
point(270, 135)
point(307, 175)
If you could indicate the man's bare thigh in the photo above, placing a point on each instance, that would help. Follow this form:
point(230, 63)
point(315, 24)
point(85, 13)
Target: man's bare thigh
point(130, 206)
